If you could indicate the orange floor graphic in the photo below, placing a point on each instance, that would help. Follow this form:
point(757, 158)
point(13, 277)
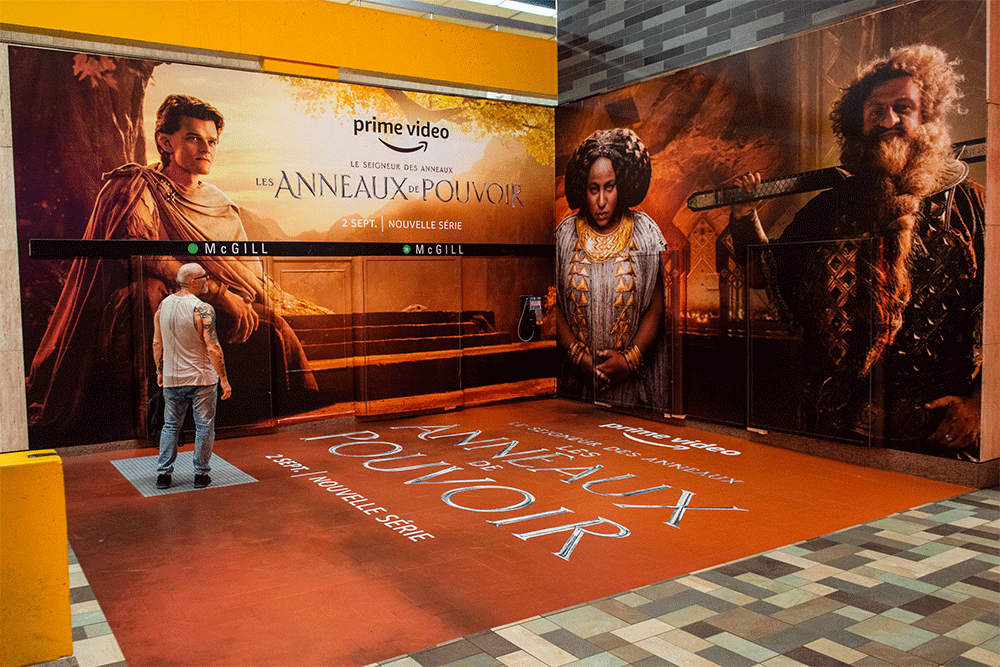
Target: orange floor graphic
point(358, 544)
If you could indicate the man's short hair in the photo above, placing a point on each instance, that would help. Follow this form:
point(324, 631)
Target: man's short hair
point(931, 70)
point(187, 272)
point(175, 107)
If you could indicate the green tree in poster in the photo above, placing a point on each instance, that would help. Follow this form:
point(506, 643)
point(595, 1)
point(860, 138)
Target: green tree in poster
point(533, 126)
point(84, 119)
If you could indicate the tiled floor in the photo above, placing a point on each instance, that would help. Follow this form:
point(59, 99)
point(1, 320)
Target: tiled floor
point(94, 644)
point(915, 588)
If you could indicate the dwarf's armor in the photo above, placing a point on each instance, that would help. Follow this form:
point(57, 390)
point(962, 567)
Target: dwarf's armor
point(824, 287)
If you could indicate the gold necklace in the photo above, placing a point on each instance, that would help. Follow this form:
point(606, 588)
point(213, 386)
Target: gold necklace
point(602, 247)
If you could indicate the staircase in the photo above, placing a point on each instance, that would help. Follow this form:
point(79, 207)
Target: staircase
point(393, 362)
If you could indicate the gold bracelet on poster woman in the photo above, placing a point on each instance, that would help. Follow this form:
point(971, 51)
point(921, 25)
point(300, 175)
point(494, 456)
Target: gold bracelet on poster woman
point(633, 357)
point(576, 352)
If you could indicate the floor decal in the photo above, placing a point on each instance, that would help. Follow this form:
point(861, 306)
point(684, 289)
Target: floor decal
point(364, 542)
point(142, 473)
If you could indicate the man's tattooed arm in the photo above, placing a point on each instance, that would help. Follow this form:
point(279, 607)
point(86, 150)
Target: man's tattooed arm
point(204, 315)
point(158, 347)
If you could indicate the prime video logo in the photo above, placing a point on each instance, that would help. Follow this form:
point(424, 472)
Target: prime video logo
point(655, 439)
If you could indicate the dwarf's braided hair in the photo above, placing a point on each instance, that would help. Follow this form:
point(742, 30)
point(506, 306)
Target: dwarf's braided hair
point(629, 158)
point(931, 70)
point(901, 195)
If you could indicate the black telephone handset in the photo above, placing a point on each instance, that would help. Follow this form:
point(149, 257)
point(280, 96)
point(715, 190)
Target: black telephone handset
point(529, 325)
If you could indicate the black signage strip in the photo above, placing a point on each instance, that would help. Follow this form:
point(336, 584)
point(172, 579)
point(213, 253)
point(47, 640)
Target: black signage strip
point(66, 248)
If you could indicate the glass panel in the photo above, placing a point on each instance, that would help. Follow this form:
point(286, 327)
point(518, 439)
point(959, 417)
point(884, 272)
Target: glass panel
point(714, 350)
point(84, 361)
point(148, 274)
point(248, 362)
point(507, 351)
point(248, 357)
point(808, 342)
point(675, 290)
point(410, 335)
point(314, 298)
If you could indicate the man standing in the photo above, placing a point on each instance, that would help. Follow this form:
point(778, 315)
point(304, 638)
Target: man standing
point(189, 366)
point(883, 274)
point(84, 365)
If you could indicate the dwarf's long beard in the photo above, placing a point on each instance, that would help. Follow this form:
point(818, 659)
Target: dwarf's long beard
point(903, 170)
point(891, 154)
point(896, 221)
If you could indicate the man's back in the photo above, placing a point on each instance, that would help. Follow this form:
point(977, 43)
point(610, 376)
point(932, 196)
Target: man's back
point(185, 359)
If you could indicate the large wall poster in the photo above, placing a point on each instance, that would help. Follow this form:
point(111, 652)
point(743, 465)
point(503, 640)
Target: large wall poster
point(303, 160)
point(768, 111)
point(610, 274)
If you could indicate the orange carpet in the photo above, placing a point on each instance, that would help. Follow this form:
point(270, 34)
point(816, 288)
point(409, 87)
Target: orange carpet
point(362, 543)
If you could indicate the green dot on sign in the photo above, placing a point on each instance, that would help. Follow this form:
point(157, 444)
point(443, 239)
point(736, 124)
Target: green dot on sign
point(406, 250)
point(193, 248)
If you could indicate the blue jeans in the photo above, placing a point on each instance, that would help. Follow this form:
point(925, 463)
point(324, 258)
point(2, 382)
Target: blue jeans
point(175, 404)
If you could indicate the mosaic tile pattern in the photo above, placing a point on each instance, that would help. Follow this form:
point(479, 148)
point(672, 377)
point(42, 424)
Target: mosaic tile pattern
point(919, 588)
point(605, 45)
point(94, 644)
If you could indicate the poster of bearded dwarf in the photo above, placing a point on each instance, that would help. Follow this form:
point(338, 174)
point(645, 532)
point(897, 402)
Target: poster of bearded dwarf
point(882, 274)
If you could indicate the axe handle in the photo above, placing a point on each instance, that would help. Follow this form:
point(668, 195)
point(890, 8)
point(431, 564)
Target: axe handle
point(820, 179)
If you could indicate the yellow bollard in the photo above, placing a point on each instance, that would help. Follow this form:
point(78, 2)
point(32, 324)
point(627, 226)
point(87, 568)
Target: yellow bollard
point(35, 624)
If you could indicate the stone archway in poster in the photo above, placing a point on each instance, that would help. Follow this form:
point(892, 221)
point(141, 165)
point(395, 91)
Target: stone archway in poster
point(299, 160)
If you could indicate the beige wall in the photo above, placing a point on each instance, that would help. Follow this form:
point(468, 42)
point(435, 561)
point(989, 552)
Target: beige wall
point(991, 306)
point(13, 424)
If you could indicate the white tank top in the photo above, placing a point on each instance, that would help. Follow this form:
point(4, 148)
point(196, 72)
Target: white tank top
point(185, 359)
